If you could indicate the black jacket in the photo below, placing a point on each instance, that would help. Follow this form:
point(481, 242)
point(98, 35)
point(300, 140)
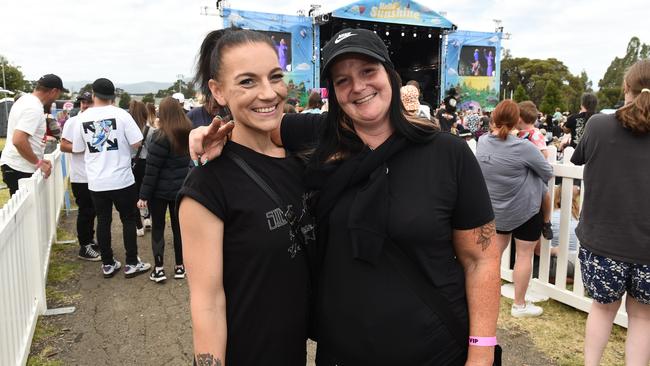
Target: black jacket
point(165, 170)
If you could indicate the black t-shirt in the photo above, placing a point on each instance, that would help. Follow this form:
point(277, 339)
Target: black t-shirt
point(266, 287)
point(366, 313)
point(301, 131)
point(576, 123)
point(446, 120)
point(199, 117)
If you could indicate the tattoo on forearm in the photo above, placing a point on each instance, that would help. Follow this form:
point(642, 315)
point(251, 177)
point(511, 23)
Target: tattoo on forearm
point(485, 234)
point(206, 359)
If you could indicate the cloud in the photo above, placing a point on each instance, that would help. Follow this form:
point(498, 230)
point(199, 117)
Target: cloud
point(132, 41)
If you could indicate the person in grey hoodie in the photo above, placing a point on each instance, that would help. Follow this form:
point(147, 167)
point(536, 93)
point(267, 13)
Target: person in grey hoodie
point(516, 175)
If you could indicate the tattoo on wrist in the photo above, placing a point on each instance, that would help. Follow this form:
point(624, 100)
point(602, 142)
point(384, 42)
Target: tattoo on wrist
point(485, 234)
point(206, 359)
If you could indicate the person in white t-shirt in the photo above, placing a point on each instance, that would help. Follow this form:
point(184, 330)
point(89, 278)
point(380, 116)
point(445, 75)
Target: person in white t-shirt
point(25, 145)
point(106, 135)
point(88, 249)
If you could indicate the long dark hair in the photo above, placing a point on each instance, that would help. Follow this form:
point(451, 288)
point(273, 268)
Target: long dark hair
point(339, 140)
point(138, 111)
point(209, 59)
point(174, 125)
point(589, 101)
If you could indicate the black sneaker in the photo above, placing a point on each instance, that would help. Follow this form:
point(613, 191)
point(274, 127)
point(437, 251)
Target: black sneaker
point(179, 272)
point(95, 245)
point(547, 230)
point(88, 253)
point(157, 276)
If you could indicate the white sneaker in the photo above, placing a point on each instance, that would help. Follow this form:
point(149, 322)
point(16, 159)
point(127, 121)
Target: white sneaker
point(132, 270)
point(526, 311)
point(140, 231)
point(110, 269)
point(147, 223)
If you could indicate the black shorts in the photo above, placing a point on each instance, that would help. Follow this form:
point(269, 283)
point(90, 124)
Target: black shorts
point(530, 230)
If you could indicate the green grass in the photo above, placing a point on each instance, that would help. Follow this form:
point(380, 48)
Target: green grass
point(63, 267)
point(4, 196)
point(2, 142)
point(44, 332)
point(559, 333)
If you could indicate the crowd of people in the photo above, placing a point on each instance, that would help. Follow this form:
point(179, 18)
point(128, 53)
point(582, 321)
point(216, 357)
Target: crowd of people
point(362, 222)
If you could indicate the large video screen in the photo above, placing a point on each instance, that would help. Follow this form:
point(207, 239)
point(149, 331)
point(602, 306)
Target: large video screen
point(282, 42)
point(477, 61)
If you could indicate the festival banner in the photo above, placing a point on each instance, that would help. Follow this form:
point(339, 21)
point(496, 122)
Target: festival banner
point(396, 12)
point(295, 40)
point(472, 65)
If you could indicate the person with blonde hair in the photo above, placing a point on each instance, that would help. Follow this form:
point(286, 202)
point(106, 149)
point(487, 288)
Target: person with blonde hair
point(516, 175)
point(614, 227)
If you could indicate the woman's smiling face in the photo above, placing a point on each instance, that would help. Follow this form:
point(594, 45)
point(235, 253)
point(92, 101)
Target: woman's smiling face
point(250, 83)
point(362, 89)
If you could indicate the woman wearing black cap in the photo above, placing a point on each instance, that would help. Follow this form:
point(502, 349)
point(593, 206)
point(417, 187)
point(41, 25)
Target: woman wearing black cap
point(406, 272)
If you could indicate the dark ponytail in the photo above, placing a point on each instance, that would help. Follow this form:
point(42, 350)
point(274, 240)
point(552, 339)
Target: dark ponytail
point(205, 66)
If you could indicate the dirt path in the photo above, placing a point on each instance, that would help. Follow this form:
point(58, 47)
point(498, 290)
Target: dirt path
point(122, 321)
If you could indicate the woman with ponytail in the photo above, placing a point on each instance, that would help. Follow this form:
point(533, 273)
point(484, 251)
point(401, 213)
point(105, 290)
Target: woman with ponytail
point(247, 270)
point(614, 227)
point(516, 175)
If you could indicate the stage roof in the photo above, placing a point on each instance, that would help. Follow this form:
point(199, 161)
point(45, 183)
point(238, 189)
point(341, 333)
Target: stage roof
point(393, 11)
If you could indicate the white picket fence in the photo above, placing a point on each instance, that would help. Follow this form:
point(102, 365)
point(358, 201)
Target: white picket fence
point(559, 291)
point(28, 225)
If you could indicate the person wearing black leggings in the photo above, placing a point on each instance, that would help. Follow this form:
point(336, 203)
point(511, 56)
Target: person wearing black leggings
point(167, 165)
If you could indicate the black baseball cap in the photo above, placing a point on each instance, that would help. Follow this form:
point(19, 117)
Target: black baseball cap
point(351, 40)
point(104, 89)
point(87, 96)
point(51, 81)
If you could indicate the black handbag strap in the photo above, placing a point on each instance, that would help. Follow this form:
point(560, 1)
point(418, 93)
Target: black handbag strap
point(426, 291)
point(256, 178)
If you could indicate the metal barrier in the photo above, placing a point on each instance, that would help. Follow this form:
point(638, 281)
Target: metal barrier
point(559, 291)
point(28, 223)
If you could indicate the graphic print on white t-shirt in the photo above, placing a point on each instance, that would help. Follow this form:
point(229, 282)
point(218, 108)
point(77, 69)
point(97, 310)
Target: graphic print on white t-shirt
point(102, 132)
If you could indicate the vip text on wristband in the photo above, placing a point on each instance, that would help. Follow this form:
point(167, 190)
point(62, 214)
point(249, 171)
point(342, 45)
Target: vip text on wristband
point(482, 341)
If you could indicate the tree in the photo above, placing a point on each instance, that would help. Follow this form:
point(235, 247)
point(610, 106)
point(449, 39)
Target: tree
point(552, 98)
point(14, 78)
point(520, 94)
point(125, 99)
point(610, 91)
point(534, 74)
point(148, 98)
point(186, 88)
point(86, 88)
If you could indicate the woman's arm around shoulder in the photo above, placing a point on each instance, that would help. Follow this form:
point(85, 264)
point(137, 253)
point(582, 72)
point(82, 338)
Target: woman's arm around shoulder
point(481, 260)
point(202, 234)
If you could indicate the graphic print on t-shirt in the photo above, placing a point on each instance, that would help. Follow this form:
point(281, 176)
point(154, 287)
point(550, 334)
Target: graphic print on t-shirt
point(101, 133)
point(301, 230)
point(275, 219)
point(580, 129)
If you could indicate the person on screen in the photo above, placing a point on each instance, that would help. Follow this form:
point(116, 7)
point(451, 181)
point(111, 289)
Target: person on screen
point(282, 54)
point(489, 58)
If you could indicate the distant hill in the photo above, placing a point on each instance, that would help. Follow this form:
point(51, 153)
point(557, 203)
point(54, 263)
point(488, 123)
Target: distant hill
point(142, 87)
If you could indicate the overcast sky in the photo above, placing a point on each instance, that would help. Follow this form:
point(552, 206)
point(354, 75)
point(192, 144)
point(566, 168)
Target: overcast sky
point(145, 40)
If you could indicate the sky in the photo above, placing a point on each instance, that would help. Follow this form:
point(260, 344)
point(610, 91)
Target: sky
point(130, 41)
